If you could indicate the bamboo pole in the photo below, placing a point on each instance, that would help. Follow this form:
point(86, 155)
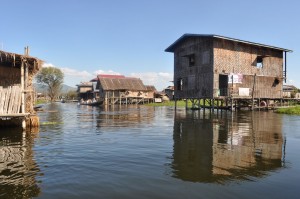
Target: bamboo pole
point(186, 104)
point(254, 80)
point(22, 95)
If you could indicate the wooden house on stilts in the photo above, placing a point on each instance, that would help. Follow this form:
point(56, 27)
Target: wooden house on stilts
point(118, 89)
point(226, 72)
point(16, 91)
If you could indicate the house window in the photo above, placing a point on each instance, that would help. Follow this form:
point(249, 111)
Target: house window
point(191, 60)
point(180, 84)
point(259, 62)
point(206, 57)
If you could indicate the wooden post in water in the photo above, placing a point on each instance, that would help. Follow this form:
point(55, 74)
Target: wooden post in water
point(186, 104)
point(22, 95)
point(253, 89)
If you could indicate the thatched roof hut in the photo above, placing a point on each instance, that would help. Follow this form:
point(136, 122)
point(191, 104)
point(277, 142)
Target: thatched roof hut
point(120, 82)
point(123, 90)
point(16, 90)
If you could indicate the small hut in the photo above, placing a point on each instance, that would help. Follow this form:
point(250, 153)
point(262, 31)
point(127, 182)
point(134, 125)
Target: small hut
point(17, 95)
point(85, 91)
point(118, 89)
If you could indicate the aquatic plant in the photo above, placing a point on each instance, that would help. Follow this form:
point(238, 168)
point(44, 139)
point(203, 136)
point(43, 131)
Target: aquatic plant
point(295, 110)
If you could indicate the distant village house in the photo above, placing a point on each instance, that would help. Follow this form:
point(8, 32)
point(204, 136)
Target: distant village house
point(118, 89)
point(115, 89)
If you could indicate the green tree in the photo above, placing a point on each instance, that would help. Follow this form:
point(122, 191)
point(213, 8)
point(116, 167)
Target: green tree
point(52, 78)
point(71, 95)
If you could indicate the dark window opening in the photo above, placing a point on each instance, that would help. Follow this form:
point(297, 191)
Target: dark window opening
point(191, 60)
point(259, 62)
point(179, 84)
point(223, 85)
point(276, 82)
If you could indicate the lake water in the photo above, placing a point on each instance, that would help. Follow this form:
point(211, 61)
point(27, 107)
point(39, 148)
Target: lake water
point(151, 152)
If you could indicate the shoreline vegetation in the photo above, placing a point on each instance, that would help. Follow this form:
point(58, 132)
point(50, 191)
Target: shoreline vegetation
point(180, 103)
point(40, 101)
point(295, 110)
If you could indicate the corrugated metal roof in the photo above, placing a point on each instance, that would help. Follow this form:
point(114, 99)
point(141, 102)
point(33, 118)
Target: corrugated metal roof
point(121, 83)
point(111, 76)
point(185, 36)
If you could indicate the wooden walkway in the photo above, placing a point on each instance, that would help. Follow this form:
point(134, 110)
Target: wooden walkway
point(10, 101)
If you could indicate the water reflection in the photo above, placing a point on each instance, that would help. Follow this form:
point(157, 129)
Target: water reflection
point(218, 149)
point(125, 116)
point(18, 169)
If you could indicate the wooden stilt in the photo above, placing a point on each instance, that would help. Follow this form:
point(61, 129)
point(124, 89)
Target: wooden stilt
point(186, 104)
point(235, 104)
point(253, 89)
point(23, 95)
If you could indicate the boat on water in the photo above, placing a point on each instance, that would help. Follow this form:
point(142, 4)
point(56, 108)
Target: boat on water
point(91, 102)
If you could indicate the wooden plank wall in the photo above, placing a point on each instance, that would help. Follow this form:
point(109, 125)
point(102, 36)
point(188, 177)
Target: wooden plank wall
point(10, 99)
point(198, 78)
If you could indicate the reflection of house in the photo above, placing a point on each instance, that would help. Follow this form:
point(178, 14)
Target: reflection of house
point(118, 89)
point(218, 67)
point(18, 170)
point(125, 116)
point(208, 149)
point(16, 91)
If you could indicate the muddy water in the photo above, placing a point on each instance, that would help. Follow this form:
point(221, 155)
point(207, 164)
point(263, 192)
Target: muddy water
point(151, 152)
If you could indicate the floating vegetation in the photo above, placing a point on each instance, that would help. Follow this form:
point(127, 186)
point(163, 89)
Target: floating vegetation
point(295, 110)
point(51, 123)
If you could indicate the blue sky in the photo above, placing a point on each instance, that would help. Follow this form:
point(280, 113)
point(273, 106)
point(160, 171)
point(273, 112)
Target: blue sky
point(86, 37)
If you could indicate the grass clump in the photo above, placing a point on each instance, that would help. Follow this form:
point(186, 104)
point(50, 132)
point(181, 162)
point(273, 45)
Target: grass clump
point(290, 110)
point(40, 101)
point(180, 103)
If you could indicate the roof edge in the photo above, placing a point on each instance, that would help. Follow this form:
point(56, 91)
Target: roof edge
point(184, 36)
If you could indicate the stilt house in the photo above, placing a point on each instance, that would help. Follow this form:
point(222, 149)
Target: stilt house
point(16, 90)
point(118, 89)
point(218, 67)
point(85, 91)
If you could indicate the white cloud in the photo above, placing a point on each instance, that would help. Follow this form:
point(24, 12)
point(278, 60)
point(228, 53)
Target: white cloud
point(76, 73)
point(160, 80)
point(47, 65)
point(110, 72)
point(73, 77)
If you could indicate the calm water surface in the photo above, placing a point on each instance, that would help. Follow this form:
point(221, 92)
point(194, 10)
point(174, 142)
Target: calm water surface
point(151, 152)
